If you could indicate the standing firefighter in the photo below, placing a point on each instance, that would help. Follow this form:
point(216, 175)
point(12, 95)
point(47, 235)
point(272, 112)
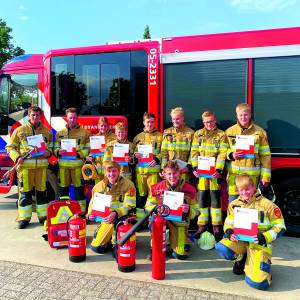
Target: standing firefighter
point(209, 142)
point(121, 132)
point(123, 201)
point(252, 258)
point(32, 172)
point(179, 239)
point(259, 166)
point(147, 174)
point(177, 142)
point(70, 167)
point(108, 136)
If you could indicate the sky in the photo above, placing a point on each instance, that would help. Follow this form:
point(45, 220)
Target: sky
point(39, 26)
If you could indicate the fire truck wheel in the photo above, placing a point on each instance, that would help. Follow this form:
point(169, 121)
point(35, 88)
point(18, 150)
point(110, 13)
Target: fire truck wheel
point(289, 202)
point(52, 186)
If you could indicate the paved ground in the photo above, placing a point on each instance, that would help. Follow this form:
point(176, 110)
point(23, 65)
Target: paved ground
point(30, 269)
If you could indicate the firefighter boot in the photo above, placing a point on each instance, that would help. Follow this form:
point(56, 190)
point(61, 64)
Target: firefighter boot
point(239, 266)
point(201, 229)
point(217, 233)
point(23, 224)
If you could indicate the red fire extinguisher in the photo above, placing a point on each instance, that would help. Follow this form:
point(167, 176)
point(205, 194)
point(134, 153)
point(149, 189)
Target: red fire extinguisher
point(77, 238)
point(126, 253)
point(159, 225)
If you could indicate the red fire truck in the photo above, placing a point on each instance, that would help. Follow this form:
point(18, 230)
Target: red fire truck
point(202, 72)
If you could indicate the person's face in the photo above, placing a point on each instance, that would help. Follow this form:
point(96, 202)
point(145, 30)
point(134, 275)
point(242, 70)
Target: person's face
point(177, 120)
point(244, 117)
point(72, 119)
point(102, 128)
point(172, 176)
point(121, 134)
point(34, 118)
point(112, 174)
point(209, 122)
point(149, 124)
point(246, 192)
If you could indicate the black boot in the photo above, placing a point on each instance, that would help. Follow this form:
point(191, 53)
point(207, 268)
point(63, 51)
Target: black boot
point(239, 266)
point(23, 224)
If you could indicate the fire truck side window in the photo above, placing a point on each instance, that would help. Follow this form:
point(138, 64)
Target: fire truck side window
point(208, 85)
point(276, 94)
point(23, 94)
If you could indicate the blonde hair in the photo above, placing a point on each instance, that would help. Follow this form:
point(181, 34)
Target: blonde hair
point(103, 120)
point(242, 107)
point(172, 164)
point(148, 115)
point(244, 181)
point(120, 126)
point(208, 114)
point(177, 111)
point(111, 164)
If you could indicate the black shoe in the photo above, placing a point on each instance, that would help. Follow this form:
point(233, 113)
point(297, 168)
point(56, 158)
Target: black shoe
point(42, 221)
point(23, 224)
point(239, 266)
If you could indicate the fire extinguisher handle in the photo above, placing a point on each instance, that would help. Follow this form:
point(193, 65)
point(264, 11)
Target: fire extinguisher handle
point(162, 210)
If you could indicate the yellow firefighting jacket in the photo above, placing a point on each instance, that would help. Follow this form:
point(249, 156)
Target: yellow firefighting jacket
point(176, 144)
point(109, 136)
point(123, 195)
point(82, 141)
point(270, 220)
point(153, 138)
point(210, 143)
point(190, 196)
point(261, 164)
point(108, 155)
point(18, 144)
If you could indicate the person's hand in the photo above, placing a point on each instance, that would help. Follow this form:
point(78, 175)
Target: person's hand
point(153, 163)
point(110, 218)
point(195, 172)
point(138, 155)
point(20, 160)
point(185, 208)
point(265, 183)
point(238, 155)
point(62, 152)
point(46, 154)
point(216, 175)
point(91, 217)
point(162, 174)
point(127, 158)
point(89, 158)
point(233, 237)
point(259, 239)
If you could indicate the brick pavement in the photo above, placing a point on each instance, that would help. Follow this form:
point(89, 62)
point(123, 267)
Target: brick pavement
point(23, 281)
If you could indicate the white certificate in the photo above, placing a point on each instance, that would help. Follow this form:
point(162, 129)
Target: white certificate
point(245, 217)
point(101, 202)
point(97, 142)
point(181, 164)
point(206, 163)
point(145, 150)
point(35, 140)
point(173, 199)
point(120, 150)
point(68, 144)
point(243, 142)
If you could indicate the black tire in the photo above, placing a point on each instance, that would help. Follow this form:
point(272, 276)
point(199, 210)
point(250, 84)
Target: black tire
point(288, 199)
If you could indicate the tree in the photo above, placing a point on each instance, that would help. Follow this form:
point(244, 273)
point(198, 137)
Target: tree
point(147, 34)
point(7, 49)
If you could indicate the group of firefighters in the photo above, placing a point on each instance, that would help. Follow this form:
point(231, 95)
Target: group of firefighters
point(173, 167)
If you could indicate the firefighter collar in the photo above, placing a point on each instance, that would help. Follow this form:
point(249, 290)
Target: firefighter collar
point(34, 127)
point(207, 133)
point(152, 131)
point(76, 127)
point(111, 185)
point(242, 128)
point(255, 197)
point(177, 187)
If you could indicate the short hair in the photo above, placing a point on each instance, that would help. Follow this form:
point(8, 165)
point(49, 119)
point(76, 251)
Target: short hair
point(242, 107)
point(148, 115)
point(177, 111)
point(71, 110)
point(34, 108)
point(103, 120)
point(172, 164)
point(244, 181)
point(208, 114)
point(111, 164)
point(120, 126)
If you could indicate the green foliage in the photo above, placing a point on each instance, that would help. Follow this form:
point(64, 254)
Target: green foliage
point(147, 34)
point(7, 49)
